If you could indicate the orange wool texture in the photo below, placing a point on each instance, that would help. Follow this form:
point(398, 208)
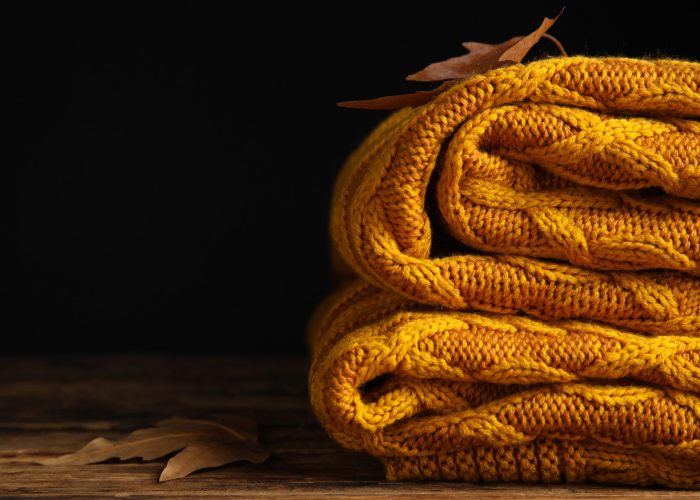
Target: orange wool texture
point(524, 301)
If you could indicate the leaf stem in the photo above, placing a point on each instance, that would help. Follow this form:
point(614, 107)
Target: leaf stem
point(556, 42)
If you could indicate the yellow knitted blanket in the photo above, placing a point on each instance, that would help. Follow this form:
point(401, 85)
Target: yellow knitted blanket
point(528, 308)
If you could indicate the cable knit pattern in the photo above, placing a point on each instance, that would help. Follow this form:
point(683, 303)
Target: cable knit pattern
point(566, 189)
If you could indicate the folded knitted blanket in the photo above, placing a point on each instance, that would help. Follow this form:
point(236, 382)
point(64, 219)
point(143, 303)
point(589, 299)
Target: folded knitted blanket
point(528, 308)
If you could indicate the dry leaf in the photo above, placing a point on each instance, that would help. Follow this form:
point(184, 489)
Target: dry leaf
point(396, 101)
point(200, 443)
point(481, 58)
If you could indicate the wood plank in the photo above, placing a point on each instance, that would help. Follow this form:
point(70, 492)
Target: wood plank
point(53, 405)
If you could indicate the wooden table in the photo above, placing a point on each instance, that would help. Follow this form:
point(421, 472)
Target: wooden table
point(54, 405)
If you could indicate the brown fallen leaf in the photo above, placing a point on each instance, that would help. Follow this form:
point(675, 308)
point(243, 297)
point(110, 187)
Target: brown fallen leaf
point(396, 101)
point(481, 58)
point(201, 444)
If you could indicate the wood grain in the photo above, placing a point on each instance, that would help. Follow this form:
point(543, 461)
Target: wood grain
point(53, 405)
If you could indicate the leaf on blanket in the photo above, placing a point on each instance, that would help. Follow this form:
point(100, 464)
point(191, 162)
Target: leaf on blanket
point(483, 56)
point(201, 444)
point(396, 101)
point(480, 58)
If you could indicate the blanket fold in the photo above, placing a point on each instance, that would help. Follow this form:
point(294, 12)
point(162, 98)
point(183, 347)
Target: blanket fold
point(528, 307)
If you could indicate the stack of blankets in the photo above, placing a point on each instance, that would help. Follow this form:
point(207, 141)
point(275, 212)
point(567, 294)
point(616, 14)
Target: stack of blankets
point(521, 299)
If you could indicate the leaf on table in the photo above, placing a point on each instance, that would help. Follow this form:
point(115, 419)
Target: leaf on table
point(201, 444)
point(481, 57)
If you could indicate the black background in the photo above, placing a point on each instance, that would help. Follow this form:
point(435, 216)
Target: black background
point(170, 165)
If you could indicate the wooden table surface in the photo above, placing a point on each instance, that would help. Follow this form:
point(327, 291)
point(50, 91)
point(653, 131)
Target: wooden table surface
point(54, 405)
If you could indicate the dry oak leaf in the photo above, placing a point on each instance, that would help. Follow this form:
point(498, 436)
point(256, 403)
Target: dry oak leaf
point(481, 58)
point(396, 101)
point(201, 444)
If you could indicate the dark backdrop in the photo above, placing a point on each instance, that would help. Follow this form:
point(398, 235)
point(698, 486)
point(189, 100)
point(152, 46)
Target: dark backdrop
point(170, 166)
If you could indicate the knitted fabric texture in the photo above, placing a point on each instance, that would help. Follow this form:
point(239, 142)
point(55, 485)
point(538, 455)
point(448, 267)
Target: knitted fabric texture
point(528, 307)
